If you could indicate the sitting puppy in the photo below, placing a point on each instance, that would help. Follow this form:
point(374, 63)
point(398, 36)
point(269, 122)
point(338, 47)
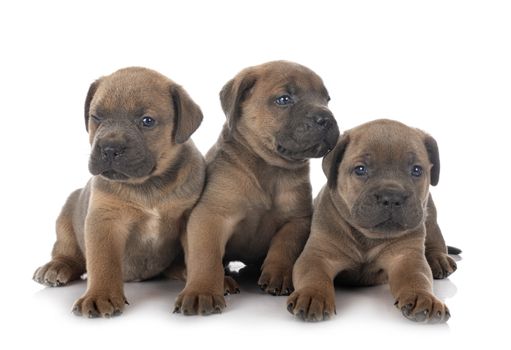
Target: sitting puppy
point(369, 224)
point(125, 224)
point(257, 202)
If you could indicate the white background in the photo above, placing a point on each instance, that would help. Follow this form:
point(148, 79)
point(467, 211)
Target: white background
point(443, 66)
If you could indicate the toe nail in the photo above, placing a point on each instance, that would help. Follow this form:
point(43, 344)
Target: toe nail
point(290, 307)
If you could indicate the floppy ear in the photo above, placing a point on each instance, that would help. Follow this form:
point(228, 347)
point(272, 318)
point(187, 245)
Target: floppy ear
point(90, 94)
point(434, 158)
point(333, 159)
point(233, 94)
point(188, 116)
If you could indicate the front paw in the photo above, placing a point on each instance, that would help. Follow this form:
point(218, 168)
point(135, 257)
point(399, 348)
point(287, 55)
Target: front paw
point(310, 305)
point(199, 303)
point(442, 265)
point(422, 307)
point(100, 304)
point(276, 281)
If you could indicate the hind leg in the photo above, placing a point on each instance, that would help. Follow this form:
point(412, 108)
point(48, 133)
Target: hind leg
point(67, 263)
point(442, 265)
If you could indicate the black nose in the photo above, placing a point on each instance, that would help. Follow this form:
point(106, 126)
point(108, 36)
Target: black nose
point(112, 151)
point(323, 119)
point(390, 199)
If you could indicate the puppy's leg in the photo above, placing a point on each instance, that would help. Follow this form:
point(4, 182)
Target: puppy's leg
point(313, 274)
point(67, 263)
point(105, 237)
point(442, 265)
point(285, 247)
point(205, 240)
point(411, 284)
point(177, 271)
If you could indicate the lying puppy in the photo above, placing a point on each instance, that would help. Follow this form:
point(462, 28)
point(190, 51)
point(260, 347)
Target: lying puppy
point(257, 202)
point(369, 224)
point(125, 224)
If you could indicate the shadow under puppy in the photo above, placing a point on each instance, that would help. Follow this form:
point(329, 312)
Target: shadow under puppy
point(257, 203)
point(369, 224)
point(126, 223)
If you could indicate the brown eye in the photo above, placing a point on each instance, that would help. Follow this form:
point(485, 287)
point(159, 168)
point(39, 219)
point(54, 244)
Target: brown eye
point(148, 122)
point(416, 171)
point(360, 170)
point(284, 100)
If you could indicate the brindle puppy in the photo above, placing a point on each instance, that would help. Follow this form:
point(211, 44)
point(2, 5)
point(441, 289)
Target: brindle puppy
point(369, 224)
point(257, 203)
point(125, 224)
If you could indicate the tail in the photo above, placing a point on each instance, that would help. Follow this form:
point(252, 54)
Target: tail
point(453, 250)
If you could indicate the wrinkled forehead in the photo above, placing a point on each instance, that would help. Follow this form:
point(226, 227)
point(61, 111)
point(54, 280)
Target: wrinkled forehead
point(396, 145)
point(291, 78)
point(129, 93)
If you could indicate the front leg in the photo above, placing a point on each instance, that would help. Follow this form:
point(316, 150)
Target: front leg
point(411, 284)
point(442, 265)
point(313, 275)
point(105, 238)
point(285, 247)
point(206, 236)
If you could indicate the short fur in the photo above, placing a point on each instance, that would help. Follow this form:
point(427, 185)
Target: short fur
point(257, 203)
point(126, 223)
point(375, 227)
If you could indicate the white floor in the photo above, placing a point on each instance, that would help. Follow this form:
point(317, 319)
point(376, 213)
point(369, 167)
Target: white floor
point(365, 317)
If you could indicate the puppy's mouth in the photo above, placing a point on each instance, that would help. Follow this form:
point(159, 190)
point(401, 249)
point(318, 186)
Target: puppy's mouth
point(315, 151)
point(389, 225)
point(120, 173)
point(295, 156)
point(117, 175)
point(114, 175)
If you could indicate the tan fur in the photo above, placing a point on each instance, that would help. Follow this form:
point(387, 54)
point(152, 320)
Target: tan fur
point(343, 246)
point(257, 205)
point(128, 230)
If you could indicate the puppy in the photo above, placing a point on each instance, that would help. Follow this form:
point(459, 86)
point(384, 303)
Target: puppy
point(369, 224)
point(125, 224)
point(257, 203)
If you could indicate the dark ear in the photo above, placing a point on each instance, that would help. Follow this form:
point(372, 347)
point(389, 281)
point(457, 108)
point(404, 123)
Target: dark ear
point(233, 94)
point(434, 158)
point(188, 115)
point(90, 94)
point(333, 159)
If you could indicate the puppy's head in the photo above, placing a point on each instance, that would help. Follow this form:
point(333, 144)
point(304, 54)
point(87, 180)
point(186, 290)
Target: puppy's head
point(280, 109)
point(136, 117)
point(381, 172)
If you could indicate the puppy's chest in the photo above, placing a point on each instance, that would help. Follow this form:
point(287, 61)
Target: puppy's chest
point(366, 267)
point(151, 226)
point(252, 236)
point(362, 252)
point(155, 224)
